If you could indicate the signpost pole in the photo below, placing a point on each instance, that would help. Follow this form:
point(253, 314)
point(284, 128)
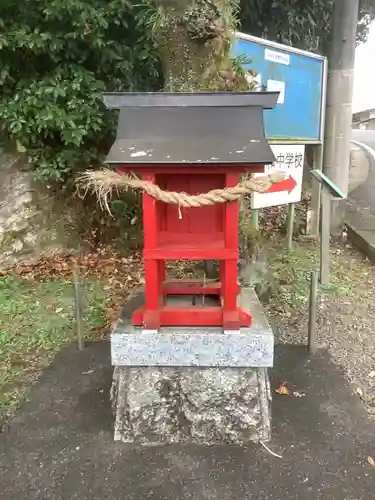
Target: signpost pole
point(329, 189)
point(311, 342)
point(325, 235)
point(255, 218)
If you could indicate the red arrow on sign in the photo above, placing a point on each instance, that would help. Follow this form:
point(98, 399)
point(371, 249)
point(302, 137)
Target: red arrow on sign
point(285, 185)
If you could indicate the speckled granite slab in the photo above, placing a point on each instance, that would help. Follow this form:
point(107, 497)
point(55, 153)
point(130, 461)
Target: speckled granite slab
point(204, 346)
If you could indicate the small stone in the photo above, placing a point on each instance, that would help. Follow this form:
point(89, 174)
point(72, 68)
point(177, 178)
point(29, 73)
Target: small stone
point(17, 246)
point(30, 238)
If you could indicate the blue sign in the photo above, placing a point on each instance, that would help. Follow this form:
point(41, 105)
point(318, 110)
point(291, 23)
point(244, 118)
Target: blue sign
point(299, 76)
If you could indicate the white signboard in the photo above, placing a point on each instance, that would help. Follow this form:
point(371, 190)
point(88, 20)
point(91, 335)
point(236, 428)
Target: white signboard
point(277, 57)
point(289, 159)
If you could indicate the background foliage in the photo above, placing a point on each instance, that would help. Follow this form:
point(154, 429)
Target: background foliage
point(58, 56)
point(305, 24)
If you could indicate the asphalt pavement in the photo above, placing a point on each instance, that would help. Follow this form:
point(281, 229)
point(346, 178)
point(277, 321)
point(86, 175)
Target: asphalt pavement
point(59, 446)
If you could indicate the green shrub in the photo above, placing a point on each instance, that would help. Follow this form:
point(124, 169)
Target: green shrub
point(56, 58)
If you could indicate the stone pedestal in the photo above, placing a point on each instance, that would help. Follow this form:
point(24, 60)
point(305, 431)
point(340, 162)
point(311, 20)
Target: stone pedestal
point(193, 385)
point(199, 405)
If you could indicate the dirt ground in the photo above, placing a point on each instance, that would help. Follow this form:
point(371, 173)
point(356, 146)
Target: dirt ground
point(345, 308)
point(345, 316)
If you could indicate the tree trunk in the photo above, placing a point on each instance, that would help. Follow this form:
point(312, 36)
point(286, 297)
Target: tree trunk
point(196, 40)
point(196, 46)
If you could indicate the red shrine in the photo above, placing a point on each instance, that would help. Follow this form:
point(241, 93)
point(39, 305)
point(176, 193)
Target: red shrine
point(191, 143)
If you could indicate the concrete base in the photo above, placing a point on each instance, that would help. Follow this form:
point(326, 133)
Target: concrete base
point(197, 386)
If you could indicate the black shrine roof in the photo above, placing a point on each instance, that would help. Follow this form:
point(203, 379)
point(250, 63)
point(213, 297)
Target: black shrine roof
point(191, 128)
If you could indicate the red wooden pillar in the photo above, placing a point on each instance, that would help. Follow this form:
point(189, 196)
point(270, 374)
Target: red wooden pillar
point(231, 315)
point(151, 317)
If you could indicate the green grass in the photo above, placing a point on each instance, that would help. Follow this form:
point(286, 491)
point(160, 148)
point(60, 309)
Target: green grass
point(36, 321)
point(290, 270)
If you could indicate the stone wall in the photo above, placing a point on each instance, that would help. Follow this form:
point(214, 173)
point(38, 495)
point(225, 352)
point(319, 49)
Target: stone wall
point(32, 220)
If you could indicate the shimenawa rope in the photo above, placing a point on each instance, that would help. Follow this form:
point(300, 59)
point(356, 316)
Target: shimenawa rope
point(103, 182)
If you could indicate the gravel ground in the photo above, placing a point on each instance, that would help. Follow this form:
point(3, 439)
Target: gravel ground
point(346, 312)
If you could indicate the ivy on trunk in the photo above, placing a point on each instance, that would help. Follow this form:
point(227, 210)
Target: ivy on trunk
point(195, 42)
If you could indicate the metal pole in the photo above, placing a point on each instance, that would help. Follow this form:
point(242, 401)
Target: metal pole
point(325, 236)
point(311, 340)
point(338, 121)
point(290, 228)
point(78, 303)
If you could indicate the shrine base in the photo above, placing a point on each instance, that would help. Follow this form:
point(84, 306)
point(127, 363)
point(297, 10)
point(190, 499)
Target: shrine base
point(194, 385)
point(156, 406)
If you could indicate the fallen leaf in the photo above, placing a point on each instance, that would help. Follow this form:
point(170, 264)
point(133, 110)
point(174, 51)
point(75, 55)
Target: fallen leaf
point(283, 390)
point(88, 372)
point(372, 374)
point(119, 276)
point(371, 461)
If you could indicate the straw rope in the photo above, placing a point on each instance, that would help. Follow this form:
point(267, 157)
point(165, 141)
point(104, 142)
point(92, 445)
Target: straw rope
point(103, 182)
